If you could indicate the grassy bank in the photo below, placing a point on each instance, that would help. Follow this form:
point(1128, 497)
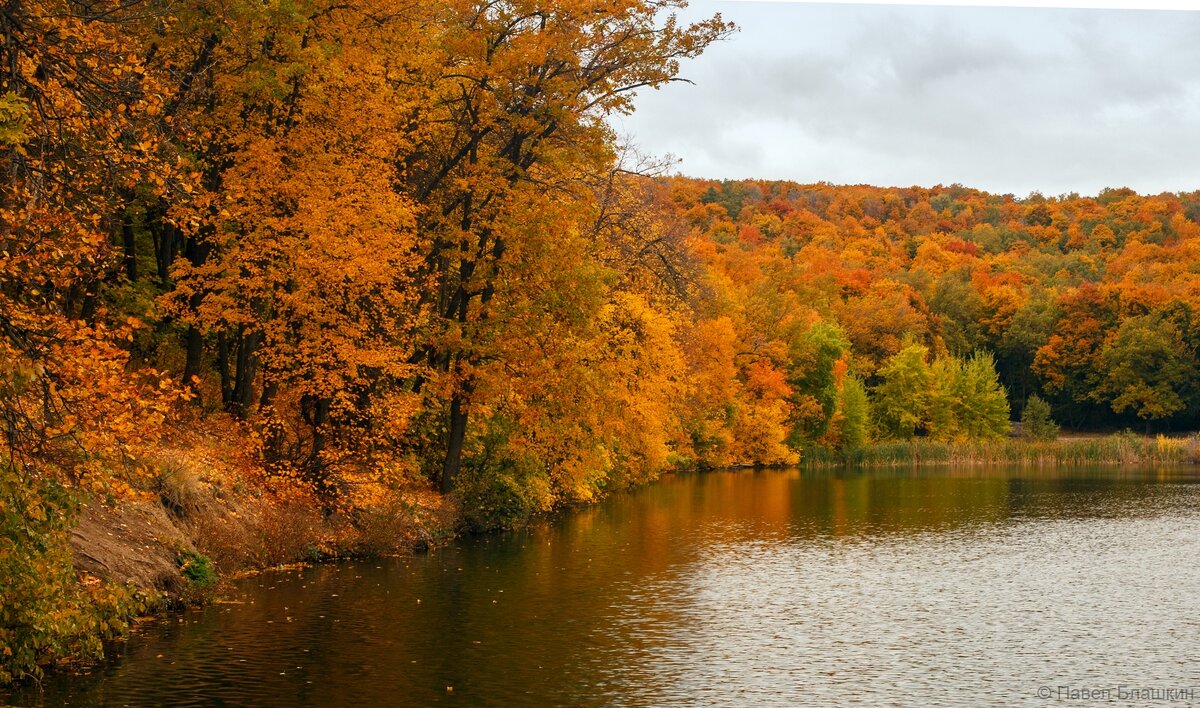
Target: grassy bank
point(1119, 449)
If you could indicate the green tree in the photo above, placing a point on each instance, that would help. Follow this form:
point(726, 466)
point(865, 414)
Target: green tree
point(1030, 329)
point(812, 358)
point(981, 402)
point(856, 413)
point(1036, 423)
point(945, 391)
point(959, 310)
point(901, 400)
point(966, 399)
point(1146, 368)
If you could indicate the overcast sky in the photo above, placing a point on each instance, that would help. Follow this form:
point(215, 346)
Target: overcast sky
point(1007, 100)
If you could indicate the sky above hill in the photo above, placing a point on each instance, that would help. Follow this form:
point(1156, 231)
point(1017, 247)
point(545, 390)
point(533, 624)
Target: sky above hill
point(1011, 100)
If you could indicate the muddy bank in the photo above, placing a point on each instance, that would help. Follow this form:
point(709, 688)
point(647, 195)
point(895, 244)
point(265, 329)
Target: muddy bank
point(132, 543)
point(199, 508)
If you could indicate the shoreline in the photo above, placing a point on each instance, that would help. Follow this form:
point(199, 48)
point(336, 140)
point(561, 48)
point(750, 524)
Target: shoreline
point(1068, 451)
point(142, 547)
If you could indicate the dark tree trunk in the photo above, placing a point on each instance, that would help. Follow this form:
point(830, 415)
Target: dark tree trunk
point(247, 367)
point(315, 411)
point(129, 246)
point(166, 247)
point(172, 252)
point(269, 390)
point(88, 311)
point(196, 253)
point(223, 369)
point(69, 300)
point(274, 434)
point(319, 418)
point(454, 443)
point(193, 344)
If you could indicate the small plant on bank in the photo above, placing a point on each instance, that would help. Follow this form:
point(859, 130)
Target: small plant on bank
point(197, 569)
point(1036, 423)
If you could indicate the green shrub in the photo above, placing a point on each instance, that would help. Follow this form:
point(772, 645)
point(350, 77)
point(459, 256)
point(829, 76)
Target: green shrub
point(1036, 423)
point(501, 485)
point(498, 500)
point(197, 569)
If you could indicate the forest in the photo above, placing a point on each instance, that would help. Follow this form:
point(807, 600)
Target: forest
point(366, 248)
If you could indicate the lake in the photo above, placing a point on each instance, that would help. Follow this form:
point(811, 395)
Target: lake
point(920, 587)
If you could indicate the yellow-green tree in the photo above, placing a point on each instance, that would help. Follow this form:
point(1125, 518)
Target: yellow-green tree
point(515, 117)
point(900, 402)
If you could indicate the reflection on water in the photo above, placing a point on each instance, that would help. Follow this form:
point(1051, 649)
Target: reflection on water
point(928, 587)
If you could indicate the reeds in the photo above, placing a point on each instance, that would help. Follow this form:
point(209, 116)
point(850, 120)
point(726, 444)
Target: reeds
point(1119, 449)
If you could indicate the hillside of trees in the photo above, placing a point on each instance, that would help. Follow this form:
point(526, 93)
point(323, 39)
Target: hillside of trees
point(379, 247)
point(1086, 302)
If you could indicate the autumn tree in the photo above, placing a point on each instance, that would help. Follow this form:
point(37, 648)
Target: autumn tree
point(515, 115)
point(302, 282)
point(76, 138)
point(582, 385)
point(1069, 361)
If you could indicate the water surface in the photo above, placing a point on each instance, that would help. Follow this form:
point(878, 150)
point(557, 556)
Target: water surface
point(918, 587)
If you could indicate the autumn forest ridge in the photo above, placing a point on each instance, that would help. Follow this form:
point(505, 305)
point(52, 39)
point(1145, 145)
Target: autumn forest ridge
point(290, 280)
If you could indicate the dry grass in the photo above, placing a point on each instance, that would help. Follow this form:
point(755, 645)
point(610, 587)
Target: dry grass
point(1119, 449)
point(219, 501)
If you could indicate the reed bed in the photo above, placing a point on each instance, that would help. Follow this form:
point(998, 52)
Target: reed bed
point(1119, 449)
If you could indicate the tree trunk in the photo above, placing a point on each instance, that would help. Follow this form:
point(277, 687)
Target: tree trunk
point(223, 370)
point(269, 390)
point(166, 248)
point(194, 347)
point(247, 367)
point(70, 298)
point(130, 247)
point(314, 410)
point(88, 310)
point(319, 419)
point(454, 445)
point(197, 253)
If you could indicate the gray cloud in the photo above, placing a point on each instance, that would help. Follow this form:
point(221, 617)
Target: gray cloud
point(1010, 100)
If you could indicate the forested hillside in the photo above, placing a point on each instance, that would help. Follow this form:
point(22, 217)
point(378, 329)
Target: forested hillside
point(376, 247)
point(1088, 302)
